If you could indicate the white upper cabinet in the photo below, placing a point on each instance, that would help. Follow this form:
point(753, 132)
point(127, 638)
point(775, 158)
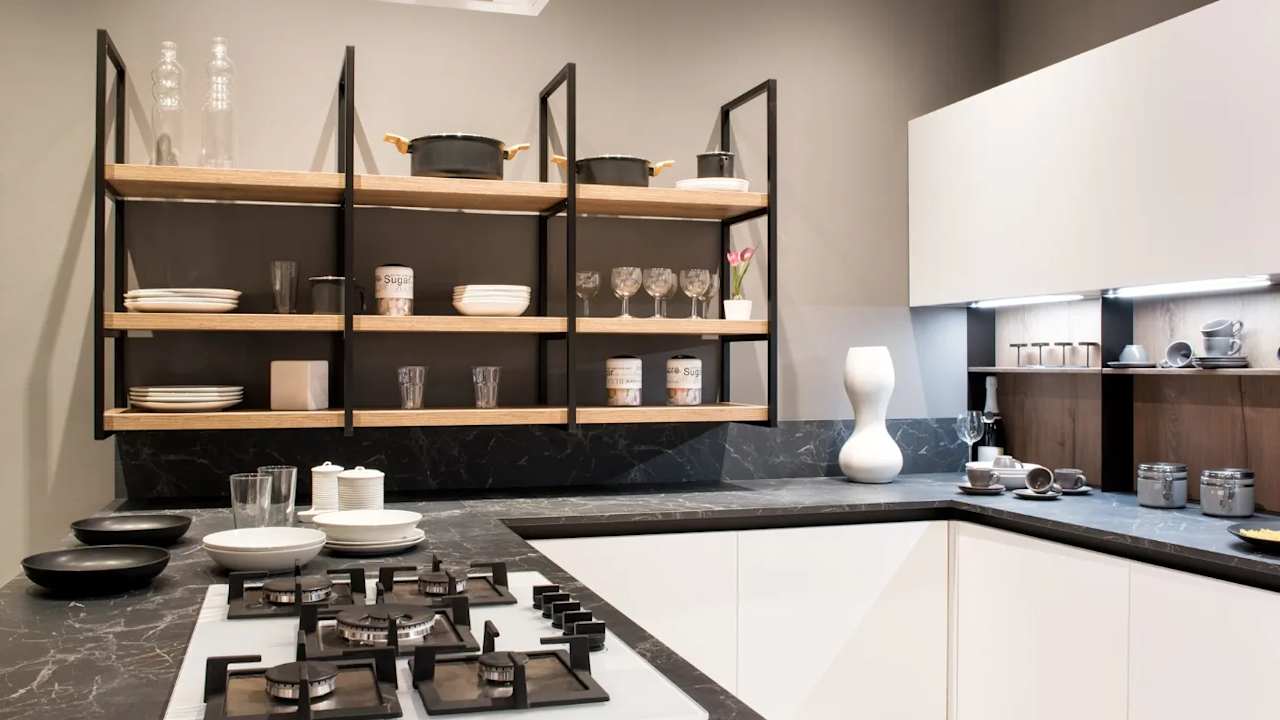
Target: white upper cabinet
point(1155, 158)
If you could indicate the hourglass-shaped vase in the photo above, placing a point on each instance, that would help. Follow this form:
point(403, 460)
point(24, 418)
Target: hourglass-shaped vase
point(870, 455)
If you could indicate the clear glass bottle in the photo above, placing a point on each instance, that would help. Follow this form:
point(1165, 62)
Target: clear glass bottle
point(218, 139)
point(166, 113)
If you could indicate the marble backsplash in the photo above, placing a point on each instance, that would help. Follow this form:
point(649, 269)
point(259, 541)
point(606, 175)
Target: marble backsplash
point(171, 465)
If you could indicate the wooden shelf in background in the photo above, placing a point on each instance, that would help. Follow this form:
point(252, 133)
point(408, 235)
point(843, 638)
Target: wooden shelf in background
point(459, 324)
point(222, 322)
point(670, 326)
point(120, 419)
point(461, 416)
point(667, 202)
point(1037, 370)
point(162, 182)
point(714, 412)
point(1169, 372)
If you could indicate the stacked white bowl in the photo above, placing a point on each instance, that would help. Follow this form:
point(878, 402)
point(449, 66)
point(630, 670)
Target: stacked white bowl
point(264, 548)
point(192, 300)
point(185, 398)
point(364, 532)
point(360, 489)
point(324, 491)
point(492, 300)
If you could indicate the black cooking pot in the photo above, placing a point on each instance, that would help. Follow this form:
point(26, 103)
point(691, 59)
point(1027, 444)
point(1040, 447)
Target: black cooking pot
point(615, 169)
point(456, 155)
point(715, 164)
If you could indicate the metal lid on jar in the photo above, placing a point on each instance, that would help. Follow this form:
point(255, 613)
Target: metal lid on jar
point(1162, 468)
point(1227, 476)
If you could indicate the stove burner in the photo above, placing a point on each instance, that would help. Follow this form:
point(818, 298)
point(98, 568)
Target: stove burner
point(280, 591)
point(369, 626)
point(440, 583)
point(284, 681)
point(497, 667)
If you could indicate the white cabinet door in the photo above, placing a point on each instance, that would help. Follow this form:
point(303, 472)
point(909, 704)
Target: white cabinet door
point(682, 588)
point(843, 622)
point(1201, 648)
point(1041, 629)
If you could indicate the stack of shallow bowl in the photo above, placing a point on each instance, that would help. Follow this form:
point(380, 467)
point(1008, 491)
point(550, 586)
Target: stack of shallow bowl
point(370, 532)
point(360, 489)
point(185, 398)
point(190, 300)
point(492, 300)
point(265, 548)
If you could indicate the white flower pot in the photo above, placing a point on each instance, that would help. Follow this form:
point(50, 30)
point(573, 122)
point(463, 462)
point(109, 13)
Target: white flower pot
point(870, 455)
point(737, 309)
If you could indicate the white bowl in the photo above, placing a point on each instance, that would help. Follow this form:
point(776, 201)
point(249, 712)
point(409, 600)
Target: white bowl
point(368, 525)
point(269, 560)
point(509, 288)
point(263, 539)
point(491, 308)
point(415, 534)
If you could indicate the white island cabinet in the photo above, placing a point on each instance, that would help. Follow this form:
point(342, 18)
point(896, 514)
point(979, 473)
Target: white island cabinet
point(1040, 629)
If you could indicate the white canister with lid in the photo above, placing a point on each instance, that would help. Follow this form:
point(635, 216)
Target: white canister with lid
point(684, 380)
point(623, 380)
point(360, 488)
point(324, 487)
point(393, 289)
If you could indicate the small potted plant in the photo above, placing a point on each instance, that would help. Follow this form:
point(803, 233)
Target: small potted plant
point(738, 308)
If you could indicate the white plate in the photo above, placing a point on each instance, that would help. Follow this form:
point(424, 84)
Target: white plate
point(507, 288)
point(184, 406)
point(491, 309)
point(160, 395)
point(382, 549)
point(720, 183)
point(968, 489)
point(186, 388)
point(190, 399)
point(416, 534)
point(226, 293)
point(1029, 494)
point(368, 525)
point(490, 296)
point(190, 307)
point(270, 561)
point(264, 539)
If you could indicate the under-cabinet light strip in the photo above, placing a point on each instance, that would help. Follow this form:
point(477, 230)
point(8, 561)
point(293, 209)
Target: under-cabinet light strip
point(1192, 287)
point(1029, 300)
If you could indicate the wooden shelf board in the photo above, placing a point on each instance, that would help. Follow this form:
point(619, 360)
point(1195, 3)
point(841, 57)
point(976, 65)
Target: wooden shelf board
point(120, 419)
point(456, 193)
point(1257, 372)
point(460, 324)
point(670, 326)
point(1037, 370)
point(209, 322)
point(461, 416)
point(667, 202)
point(715, 412)
point(196, 183)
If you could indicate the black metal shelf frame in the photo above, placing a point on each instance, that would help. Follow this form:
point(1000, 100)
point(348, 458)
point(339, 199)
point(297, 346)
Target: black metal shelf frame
point(566, 78)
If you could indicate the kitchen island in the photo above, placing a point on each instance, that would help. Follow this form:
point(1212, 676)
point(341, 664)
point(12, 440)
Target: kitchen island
point(118, 656)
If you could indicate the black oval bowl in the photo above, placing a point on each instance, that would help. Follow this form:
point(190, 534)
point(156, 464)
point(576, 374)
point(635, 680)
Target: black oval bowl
point(96, 570)
point(1271, 545)
point(158, 530)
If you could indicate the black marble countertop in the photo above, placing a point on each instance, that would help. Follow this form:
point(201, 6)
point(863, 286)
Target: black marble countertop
point(118, 657)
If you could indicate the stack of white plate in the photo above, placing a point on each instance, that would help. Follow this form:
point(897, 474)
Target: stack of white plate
point(714, 183)
point(265, 548)
point(185, 398)
point(370, 532)
point(491, 300)
point(1220, 362)
point(189, 300)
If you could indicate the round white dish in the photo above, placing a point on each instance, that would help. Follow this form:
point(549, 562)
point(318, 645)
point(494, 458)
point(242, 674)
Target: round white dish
point(714, 183)
point(177, 397)
point(1029, 494)
point(968, 489)
point(415, 534)
point(226, 293)
point(492, 308)
point(191, 307)
point(512, 288)
point(184, 406)
point(368, 525)
point(264, 539)
point(187, 388)
point(270, 560)
point(489, 297)
point(384, 548)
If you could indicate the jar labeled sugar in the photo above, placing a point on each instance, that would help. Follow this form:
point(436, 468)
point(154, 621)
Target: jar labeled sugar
point(623, 379)
point(393, 289)
point(684, 380)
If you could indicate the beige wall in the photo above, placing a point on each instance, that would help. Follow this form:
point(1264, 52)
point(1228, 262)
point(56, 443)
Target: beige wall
point(651, 77)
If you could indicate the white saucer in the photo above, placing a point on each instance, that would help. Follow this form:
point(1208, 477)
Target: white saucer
point(1121, 364)
point(1084, 490)
point(968, 489)
point(714, 183)
point(1029, 494)
point(381, 547)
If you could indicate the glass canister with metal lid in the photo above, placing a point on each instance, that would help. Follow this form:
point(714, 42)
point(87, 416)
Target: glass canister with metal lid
point(1227, 492)
point(1162, 485)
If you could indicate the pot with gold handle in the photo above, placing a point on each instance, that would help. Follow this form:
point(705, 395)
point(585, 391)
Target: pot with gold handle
point(456, 155)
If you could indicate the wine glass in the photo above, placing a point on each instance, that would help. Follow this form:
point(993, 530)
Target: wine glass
point(709, 297)
point(626, 282)
point(969, 427)
point(694, 282)
point(671, 292)
point(587, 284)
point(657, 281)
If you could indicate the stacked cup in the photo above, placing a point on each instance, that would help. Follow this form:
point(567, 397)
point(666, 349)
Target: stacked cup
point(360, 489)
point(1222, 345)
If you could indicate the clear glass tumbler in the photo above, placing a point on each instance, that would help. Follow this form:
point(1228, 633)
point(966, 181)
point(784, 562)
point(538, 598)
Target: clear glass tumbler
point(284, 285)
point(413, 380)
point(486, 380)
point(250, 497)
point(283, 492)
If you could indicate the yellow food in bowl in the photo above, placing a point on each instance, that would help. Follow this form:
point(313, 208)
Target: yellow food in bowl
point(1261, 534)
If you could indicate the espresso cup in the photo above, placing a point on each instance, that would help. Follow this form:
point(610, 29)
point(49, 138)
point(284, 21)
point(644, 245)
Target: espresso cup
point(1069, 478)
point(1039, 479)
point(1178, 354)
point(1221, 328)
point(1221, 346)
point(1134, 354)
point(979, 475)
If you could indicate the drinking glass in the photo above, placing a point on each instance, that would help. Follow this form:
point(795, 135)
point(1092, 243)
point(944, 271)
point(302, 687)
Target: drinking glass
point(250, 497)
point(283, 488)
point(284, 285)
point(486, 381)
point(413, 378)
point(626, 282)
point(656, 282)
point(587, 283)
point(711, 295)
point(969, 427)
point(694, 282)
point(671, 292)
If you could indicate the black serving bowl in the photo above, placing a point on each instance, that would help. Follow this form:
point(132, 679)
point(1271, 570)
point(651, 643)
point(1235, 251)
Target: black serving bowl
point(1271, 545)
point(158, 530)
point(96, 570)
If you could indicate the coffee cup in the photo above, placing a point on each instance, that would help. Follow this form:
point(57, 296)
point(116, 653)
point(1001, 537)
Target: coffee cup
point(1221, 328)
point(1134, 354)
point(1039, 479)
point(1221, 346)
point(1005, 462)
point(1178, 354)
point(1069, 478)
point(979, 475)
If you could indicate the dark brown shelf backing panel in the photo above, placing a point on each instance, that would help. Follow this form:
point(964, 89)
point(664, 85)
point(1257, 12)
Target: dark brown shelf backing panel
point(159, 182)
point(1054, 420)
point(1214, 422)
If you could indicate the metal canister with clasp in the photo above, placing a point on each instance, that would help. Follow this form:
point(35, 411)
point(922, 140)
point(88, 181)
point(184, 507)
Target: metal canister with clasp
point(1227, 492)
point(1162, 485)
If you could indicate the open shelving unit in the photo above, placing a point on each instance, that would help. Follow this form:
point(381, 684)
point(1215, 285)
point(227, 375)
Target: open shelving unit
point(345, 190)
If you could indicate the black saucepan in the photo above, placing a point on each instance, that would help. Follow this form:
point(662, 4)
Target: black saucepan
point(456, 155)
point(157, 530)
point(715, 164)
point(97, 569)
point(615, 169)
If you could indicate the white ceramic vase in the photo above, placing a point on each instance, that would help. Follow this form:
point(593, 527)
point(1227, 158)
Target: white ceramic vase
point(737, 309)
point(869, 455)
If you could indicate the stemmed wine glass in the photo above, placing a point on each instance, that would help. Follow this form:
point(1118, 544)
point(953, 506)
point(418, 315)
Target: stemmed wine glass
point(657, 281)
point(969, 427)
point(709, 297)
point(587, 284)
point(626, 282)
point(671, 292)
point(694, 282)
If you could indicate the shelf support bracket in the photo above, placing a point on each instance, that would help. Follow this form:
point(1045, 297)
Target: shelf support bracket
point(567, 77)
point(107, 52)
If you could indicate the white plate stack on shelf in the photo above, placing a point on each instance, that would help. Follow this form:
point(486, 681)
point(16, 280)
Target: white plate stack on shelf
point(360, 489)
point(714, 183)
point(264, 548)
point(324, 491)
point(492, 300)
point(185, 398)
point(185, 300)
point(370, 532)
